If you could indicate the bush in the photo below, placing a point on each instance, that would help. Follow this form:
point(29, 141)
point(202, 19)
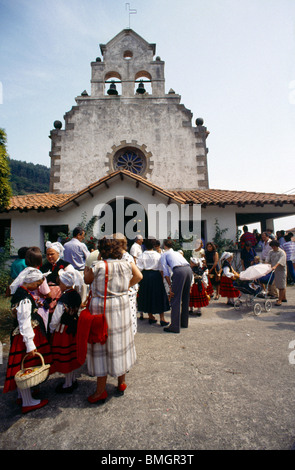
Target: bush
point(5, 278)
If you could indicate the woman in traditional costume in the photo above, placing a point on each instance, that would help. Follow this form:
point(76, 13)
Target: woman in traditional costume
point(54, 263)
point(63, 327)
point(199, 297)
point(228, 275)
point(28, 336)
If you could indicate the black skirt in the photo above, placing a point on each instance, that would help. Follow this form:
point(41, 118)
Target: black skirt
point(152, 296)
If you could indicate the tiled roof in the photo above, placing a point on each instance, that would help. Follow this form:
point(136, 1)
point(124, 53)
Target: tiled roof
point(37, 201)
point(222, 197)
point(137, 179)
point(206, 197)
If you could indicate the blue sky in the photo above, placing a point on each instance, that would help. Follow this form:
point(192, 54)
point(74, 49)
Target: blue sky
point(232, 62)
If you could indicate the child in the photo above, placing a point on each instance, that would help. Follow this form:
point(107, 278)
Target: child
point(63, 326)
point(42, 294)
point(28, 336)
point(227, 276)
point(198, 295)
point(266, 280)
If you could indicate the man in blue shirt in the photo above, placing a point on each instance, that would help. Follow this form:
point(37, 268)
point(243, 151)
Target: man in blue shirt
point(76, 252)
point(175, 264)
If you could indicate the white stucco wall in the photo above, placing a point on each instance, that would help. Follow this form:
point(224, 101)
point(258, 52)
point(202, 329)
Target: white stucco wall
point(26, 227)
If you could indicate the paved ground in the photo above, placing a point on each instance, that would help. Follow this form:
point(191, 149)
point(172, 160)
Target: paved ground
point(226, 382)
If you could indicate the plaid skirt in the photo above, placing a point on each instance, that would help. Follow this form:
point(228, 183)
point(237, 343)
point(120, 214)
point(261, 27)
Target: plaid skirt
point(118, 354)
point(198, 299)
point(227, 289)
point(18, 351)
point(64, 351)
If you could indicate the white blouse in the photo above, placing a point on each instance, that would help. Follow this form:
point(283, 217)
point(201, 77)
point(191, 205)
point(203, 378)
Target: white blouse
point(227, 272)
point(57, 314)
point(150, 260)
point(25, 324)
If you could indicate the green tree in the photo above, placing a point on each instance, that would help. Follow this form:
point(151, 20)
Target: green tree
point(5, 188)
point(222, 243)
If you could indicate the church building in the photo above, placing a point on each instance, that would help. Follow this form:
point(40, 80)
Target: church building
point(128, 143)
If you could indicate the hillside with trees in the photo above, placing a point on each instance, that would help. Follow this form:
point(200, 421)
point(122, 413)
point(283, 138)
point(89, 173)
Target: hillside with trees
point(5, 188)
point(27, 178)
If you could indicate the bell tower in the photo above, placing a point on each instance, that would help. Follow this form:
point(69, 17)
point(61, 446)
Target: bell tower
point(128, 121)
point(128, 60)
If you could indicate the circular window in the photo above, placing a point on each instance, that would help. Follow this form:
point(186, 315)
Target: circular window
point(130, 159)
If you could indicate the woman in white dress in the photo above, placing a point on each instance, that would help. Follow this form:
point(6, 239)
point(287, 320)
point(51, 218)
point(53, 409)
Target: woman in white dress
point(117, 355)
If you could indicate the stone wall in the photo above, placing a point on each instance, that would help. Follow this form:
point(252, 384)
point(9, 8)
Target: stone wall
point(156, 124)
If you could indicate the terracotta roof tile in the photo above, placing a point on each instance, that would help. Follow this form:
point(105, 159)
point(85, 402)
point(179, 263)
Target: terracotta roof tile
point(224, 197)
point(39, 201)
point(206, 197)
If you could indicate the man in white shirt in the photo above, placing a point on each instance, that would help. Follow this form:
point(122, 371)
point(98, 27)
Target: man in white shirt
point(180, 286)
point(265, 248)
point(136, 248)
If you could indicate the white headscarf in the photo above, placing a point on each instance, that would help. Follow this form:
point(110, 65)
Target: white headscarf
point(197, 261)
point(26, 276)
point(70, 278)
point(226, 255)
point(57, 247)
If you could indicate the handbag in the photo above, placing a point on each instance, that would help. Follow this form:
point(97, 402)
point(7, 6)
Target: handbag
point(91, 328)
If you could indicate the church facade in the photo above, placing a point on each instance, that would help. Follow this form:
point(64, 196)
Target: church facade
point(128, 122)
point(127, 151)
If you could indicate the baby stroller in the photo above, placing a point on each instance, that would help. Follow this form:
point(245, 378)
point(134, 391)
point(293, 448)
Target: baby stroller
point(254, 295)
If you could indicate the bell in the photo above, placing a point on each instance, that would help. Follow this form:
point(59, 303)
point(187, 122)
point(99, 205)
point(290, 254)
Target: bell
point(112, 90)
point(140, 88)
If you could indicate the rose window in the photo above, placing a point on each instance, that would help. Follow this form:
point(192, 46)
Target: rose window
point(131, 160)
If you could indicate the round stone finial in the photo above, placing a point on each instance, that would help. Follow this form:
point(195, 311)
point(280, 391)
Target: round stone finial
point(199, 121)
point(57, 125)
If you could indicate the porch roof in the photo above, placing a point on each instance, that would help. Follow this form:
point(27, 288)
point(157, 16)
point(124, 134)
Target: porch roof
point(205, 197)
point(222, 197)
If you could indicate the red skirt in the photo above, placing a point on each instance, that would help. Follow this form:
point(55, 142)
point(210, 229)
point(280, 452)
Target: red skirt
point(210, 290)
point(18, 351)
point(198, 299)
point(64, 352)
point(227, 289)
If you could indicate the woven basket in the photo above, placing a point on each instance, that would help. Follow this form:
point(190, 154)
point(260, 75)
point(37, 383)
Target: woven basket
point(31, 376)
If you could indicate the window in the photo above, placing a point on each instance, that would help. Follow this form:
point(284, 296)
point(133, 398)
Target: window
point(128, 55)
point(130, 159)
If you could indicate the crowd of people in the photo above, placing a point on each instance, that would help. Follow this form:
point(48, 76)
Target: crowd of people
point(80, 307)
